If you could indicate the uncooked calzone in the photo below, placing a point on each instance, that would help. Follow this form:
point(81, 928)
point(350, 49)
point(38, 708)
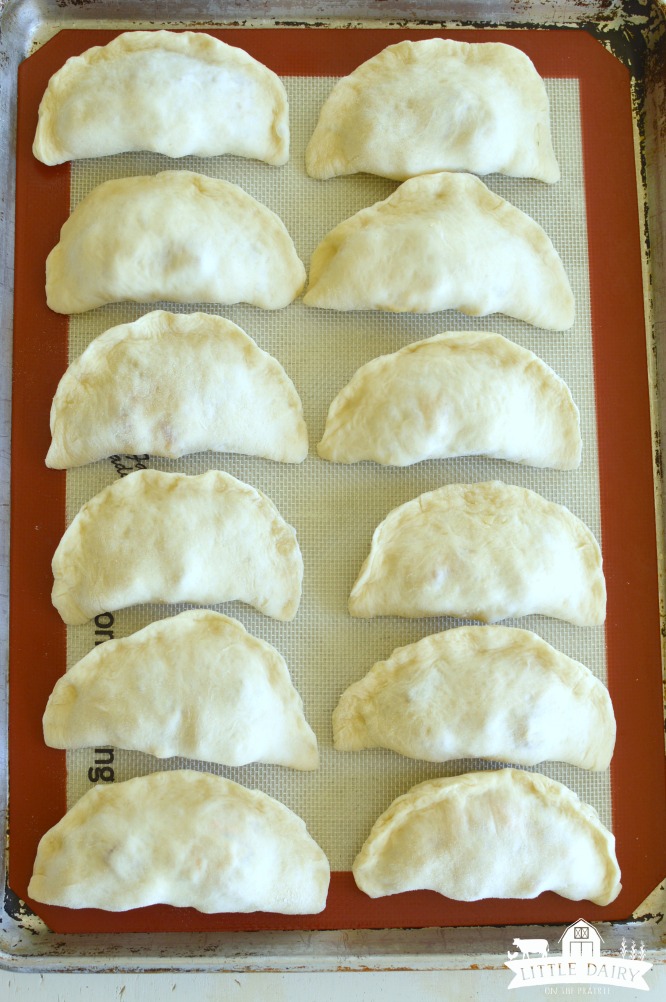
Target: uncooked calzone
point(182, 838)
point(437, 104)
point(442, 242)
point(177, 93)
point(196, 685)
point(177, 236)
point(504, 834)
point(487, 692)
point(484, 551)
point(169, 537)
point(172, 384)
point(455, 394)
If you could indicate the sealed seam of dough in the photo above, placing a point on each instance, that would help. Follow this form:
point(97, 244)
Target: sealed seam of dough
point(489, 692)
point(177, 236)
point(196, 685)
point(173, 384)
point(442, 242)
point(169, 537)
point(500, 834)
point(486, 551)
point(176, 93)
point(455, 394)
point(437, 104)
point(182, 838)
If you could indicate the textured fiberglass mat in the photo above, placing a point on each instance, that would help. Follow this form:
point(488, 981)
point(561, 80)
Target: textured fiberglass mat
point(335, 508)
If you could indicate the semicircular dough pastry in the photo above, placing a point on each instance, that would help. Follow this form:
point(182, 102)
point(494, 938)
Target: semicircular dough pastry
point(182, 838)
point(488, 692)
point(442, 242)
point(177, 93)
point(504, 834)
point(455, 394)
point(484, 551)
point(169, 537)
point(437, 104)
point(195, 685)
point(178, 236)
point(172, 384)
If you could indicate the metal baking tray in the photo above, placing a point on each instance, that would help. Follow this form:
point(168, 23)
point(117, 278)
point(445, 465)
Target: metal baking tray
point(635, 35)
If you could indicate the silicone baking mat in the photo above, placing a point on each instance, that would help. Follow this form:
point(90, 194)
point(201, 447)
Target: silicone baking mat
point(592, 218)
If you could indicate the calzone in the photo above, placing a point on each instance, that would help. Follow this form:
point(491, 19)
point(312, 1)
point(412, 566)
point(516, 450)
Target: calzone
point(437, 104)
point(169, 537)
point(196, 685)
point(487, 692)
point(175, 236)
point(182, 838)
point(177, 93)
point(172, 384)
point(504, 834)
point(455, 394)
point(442, 242)
point(484, 551)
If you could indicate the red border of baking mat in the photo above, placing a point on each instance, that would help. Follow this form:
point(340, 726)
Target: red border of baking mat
point(37, 638)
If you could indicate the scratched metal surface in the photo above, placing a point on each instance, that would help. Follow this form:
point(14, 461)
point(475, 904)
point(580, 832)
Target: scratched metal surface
point(636, 32)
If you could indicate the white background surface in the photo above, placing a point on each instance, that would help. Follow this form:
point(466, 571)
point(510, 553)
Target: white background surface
point(395, 986)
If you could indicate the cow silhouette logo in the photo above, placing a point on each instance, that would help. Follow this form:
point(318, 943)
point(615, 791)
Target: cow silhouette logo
point(536, 946)
point(581, 961)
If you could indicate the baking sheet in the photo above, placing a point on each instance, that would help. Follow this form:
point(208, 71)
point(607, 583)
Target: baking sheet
point(335, 508)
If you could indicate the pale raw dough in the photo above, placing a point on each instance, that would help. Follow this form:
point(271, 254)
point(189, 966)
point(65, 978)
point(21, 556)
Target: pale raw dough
point(182, 838)
point(489, 692)
point(195, 685)
point(441, 242)
point(437, 104)
point(504, 834)
point(455, 394)
point(169, 537)
point(484, 551)
point(172, 384)
point(178, 236)
point(177, 93)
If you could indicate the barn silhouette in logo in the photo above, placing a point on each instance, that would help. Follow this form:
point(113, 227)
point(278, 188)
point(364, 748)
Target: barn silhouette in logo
point(580, 941)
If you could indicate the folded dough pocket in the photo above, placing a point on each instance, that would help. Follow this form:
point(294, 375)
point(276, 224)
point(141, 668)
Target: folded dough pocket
point(488, 692)
point(485, 551)
point(169, 537)
point(442, 242)
point(195, 685)
point(172, 384)
point(182, 838)
point(176, 236)
point(504, 834)
point(455, 394)
point(177, 93)
point(437, 104)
